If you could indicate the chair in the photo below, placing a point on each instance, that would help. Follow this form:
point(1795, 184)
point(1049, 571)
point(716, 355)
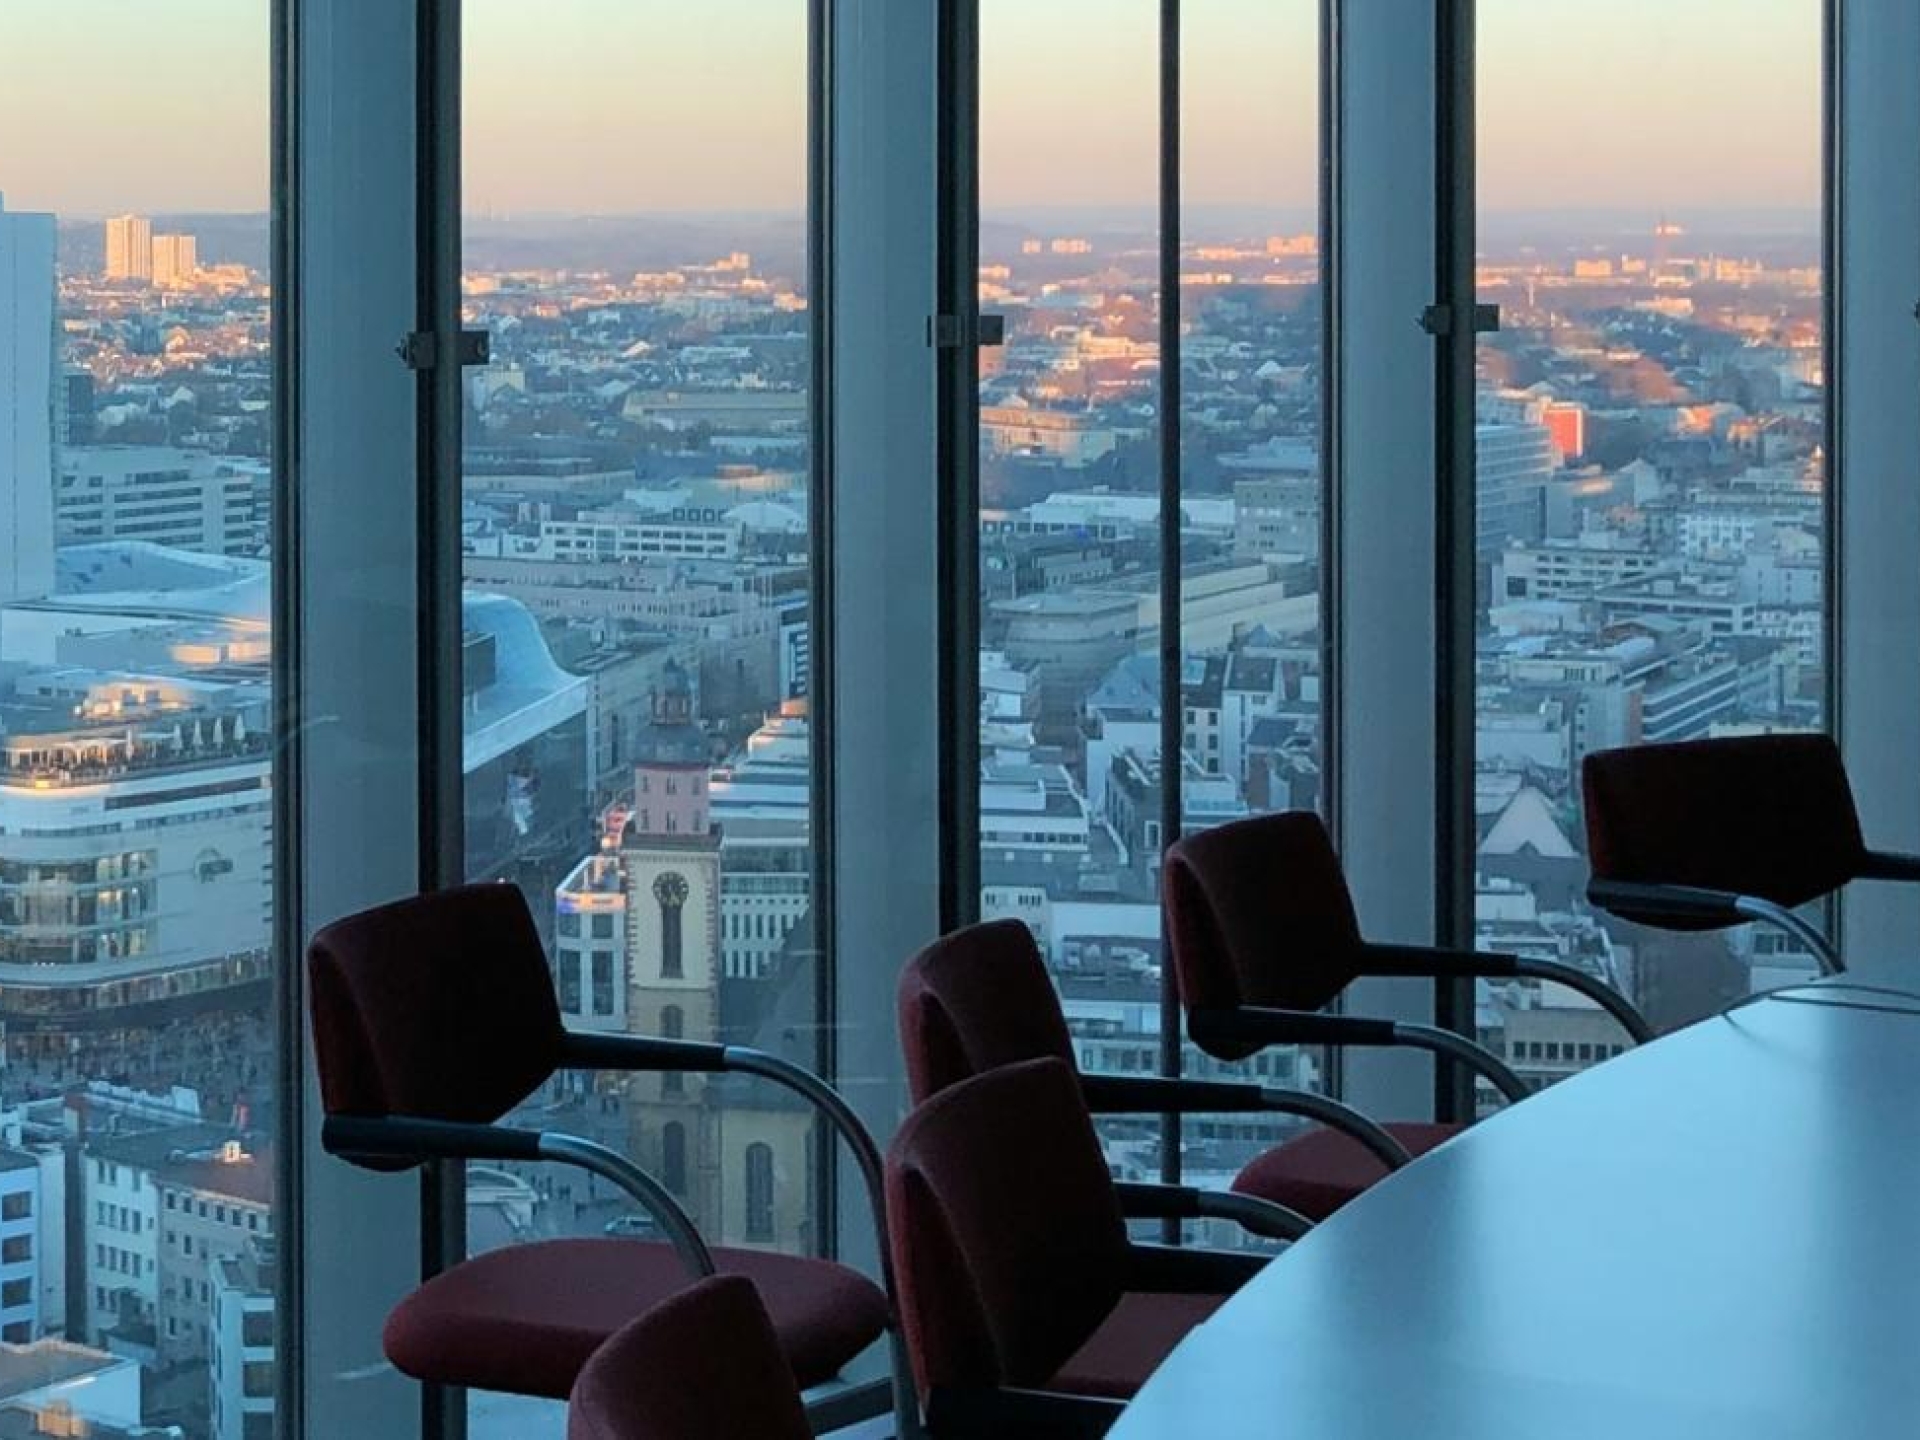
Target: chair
point(1264, 935)
point(432, 1018)
point(981, 998)
point(1027, 1311)
point(1704, 834)
point(704, 1364)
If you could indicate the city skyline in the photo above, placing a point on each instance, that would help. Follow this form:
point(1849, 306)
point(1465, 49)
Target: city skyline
point(562, 137)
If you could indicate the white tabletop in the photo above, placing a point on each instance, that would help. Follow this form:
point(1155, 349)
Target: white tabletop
point(1716, 1235)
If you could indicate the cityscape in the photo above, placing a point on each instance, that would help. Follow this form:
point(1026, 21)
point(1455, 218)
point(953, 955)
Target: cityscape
point(637, 638)
point(635, 533)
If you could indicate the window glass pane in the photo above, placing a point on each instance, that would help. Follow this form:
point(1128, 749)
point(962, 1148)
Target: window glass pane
point(1251, 485)
point(636, 538)
point(1069, 511)
point(136, 869)
point(1651, 480)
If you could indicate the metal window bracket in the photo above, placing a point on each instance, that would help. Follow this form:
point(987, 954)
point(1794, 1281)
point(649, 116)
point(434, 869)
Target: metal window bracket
point(419, 350)
point(1438, 319)
point(949, 332)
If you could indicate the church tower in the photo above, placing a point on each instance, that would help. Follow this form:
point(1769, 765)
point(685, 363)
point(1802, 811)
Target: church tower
point(670, 853)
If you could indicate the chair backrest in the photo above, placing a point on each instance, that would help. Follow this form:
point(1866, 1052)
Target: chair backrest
point(1764, 815)
point(704, 1365)
point(1258, 913)
point(1007, 1238)
point(975, 1000)
point(440, 1006)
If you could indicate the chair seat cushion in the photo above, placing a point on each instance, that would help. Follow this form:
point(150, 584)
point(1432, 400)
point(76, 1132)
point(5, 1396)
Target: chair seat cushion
point(1323, 1169)
point(524, 1319)
point(1130, 1344)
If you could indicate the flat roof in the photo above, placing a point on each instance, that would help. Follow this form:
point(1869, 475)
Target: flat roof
point(26, 1368)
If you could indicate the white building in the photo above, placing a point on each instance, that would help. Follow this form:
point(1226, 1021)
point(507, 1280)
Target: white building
point(241, 1367)
point(157, 494)
point(129, 248)
point(86, 1389)
point(176, 259)
point(28, 344)
point(20, 1246)
point(120, 1253)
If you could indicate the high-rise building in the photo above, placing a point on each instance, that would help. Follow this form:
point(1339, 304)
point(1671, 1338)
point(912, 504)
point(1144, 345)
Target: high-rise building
point(129, 248)
point(157, 494)
point(27, 352)
point(175, 259)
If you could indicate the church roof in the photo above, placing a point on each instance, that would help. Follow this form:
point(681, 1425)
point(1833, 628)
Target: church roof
point(1528, 825)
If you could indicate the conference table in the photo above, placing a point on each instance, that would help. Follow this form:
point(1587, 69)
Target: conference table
point(1714, 1235)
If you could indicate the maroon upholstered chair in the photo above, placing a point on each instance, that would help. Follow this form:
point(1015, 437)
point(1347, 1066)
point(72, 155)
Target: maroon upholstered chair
point(1704, 834)
point(1027, 1310)
point(1264, 935)
point(704, 1364)
point(432, 1018)
point(981, 998)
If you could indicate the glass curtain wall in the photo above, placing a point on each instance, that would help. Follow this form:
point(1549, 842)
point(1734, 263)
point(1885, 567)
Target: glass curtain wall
point(1650, 424)
point(1073, 599)
point(1251, 479)
point(137, 1124)
point(635, 623)
point(1069, 500)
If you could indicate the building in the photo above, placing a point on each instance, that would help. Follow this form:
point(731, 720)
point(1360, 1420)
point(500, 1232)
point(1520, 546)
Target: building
point(242, 1364)
point(216, 1203)
point(590, 944)
point(181, 498)
point(136, 814)
point(130, 248)
point(28, 345)
point(762, 809)
point(70, 1390)
point(1514, 462)
point(21, 1257)
point(670, 860)
point(1071, 438)
point(176, 259)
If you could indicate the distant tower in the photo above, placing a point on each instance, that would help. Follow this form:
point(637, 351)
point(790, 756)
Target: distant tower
point(1664, 234)
point(671, 856)
point(28, 351)
point(175, 259)
point(130, 248)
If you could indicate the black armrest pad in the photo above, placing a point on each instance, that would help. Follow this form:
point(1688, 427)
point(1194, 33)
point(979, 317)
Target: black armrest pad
point(1680, 902)
point(584, 1050)
point(1889, 865)
point(1145, 1095)
point(1145, 1201)
point(403, 1137)
point(1184, 1270)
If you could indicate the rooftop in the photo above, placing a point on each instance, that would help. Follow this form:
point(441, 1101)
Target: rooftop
point(27, 1368)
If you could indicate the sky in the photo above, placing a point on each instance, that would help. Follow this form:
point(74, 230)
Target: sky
point(616, 106)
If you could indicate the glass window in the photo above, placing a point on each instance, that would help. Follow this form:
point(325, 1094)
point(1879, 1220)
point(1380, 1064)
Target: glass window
point(1072, 596)
point(1068, 584)
point(636, 539)
point(673, 1022)
point(136, 850)
point(603, 998)
point(759, 1187)
point(673, 1156)
point(1652, 480)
